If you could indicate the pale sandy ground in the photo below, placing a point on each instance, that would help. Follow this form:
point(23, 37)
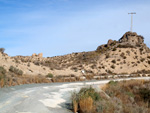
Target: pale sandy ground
point(44, 98)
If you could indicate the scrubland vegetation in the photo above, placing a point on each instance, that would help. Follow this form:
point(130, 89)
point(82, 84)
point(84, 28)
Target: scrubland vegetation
point(15, 77)
point(13, 81)
point(117, 97)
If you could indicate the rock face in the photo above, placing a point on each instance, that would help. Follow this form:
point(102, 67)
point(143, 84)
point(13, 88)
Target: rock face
point(131, 38)
point(128, 39)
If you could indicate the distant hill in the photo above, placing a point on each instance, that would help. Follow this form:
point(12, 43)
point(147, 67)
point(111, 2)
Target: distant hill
point(128, 55)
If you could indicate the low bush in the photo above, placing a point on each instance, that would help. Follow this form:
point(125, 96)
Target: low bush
point(113, 66)
point(83, 101)
point(74, 68)
point(37, 63)
point(113, 61)
point(93, 66)
point(2, 70)
point(107, 55)
point(113, 83)
point(109, 72)
point(114, 49)
point(15, 70)
point(128, 52)
point(88, 92)
point(49, 75)
point(142, 59)
point(141, 49)
point(122, 54)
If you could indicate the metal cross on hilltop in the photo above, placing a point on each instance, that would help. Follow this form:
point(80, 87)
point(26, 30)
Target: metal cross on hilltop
point(132, 19)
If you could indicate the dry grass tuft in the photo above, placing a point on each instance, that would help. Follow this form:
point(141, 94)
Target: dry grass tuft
point(86, 105)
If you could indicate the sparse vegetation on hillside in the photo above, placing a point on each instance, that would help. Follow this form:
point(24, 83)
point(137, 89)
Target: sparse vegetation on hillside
point(125, 46)
point(129, 51)
point(19, 80)
point(127, 55)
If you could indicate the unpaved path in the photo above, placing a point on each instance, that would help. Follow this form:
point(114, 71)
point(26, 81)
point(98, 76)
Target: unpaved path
point(43, 98)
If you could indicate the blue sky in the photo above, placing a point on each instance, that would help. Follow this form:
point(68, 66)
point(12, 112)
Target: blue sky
point(58, 27)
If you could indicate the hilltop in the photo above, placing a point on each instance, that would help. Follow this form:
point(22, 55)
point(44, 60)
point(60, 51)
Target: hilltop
point(128, 55)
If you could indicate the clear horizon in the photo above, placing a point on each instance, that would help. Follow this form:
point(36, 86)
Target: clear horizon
point(59, 27)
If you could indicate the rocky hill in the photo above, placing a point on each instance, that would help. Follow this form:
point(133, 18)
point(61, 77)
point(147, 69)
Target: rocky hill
point(128, 55)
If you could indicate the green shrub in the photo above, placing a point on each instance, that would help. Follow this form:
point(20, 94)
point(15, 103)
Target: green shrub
point(122, 54)
point(130, 94)
point(85, 93)
point(2, 70)
point(128, 52)
point(141, 49)
point(15, 70)
point(109, 71)
point(89, 92)
point(49, 75)
point(85, 100)
point(113, 61)
point(142, 59)
point(114, 49)
point(113, 83)
point(113, 66)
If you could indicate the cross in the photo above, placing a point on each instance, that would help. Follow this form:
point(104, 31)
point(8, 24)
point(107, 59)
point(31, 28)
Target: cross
point(132, 19)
